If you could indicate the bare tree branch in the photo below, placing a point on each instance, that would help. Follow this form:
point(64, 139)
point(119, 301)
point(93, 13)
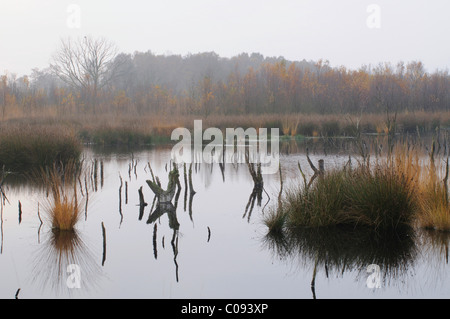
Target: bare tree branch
point(86, 64)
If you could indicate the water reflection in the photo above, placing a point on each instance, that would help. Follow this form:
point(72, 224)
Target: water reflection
point(165, 208)
point(258, 187)
point(169, 209)
point(164, 205)
point(341, 249)
point(435, 246)
point(330, 252)
point(63, 262)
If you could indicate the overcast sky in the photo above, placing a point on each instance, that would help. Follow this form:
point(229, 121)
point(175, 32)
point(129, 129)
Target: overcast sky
point(345, 32)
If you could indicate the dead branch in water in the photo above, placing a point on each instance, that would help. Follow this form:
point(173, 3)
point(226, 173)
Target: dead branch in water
point(317, 172)
point(165, 195)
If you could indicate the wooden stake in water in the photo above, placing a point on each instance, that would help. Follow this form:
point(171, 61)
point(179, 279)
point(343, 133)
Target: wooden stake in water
point(95, 174)
point(104, 244)
point(191, 187)
point(313, 281)
point(16, 296)
point(209, 234)
point(20, 212)
point(120, 199)
point(155, 248)
point(101, 174)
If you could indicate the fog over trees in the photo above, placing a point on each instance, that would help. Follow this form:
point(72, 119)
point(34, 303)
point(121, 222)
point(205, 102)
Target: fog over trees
point(88, 74)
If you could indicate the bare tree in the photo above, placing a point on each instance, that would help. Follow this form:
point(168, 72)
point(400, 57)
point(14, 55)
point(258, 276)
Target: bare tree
point(86, 64)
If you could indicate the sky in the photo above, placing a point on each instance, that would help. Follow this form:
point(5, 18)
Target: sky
point(349, 33)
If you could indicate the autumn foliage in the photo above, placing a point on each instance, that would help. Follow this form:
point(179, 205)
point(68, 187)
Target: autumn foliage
point(206, 84)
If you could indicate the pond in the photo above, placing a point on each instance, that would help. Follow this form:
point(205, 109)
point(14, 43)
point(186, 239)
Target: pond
point(209, 245)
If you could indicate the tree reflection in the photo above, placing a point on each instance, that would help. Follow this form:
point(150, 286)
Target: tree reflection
point(165, 206)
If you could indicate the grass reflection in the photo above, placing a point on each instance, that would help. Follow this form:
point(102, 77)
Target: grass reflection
point(339, 249)
point(56, 259)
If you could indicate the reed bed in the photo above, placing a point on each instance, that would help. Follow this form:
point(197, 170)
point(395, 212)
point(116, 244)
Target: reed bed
point(134, 128)
point(29, 147)
point(434, 200)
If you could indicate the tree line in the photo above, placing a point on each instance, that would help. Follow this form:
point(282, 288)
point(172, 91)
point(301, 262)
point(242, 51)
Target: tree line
point(89, 74)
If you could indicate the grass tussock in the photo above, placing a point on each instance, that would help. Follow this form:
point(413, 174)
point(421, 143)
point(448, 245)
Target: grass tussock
point(377, 198)
point(405, 190)
point(64, 206)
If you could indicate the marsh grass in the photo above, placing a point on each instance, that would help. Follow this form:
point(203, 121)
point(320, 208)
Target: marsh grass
point(380, 198)
point(378, 195)
point(26, 148)
point(133, 128)
point(320, 204)
point(64, 206)
point(407, 189)
point(434, 203)
point(115, 136)
point(435, 209)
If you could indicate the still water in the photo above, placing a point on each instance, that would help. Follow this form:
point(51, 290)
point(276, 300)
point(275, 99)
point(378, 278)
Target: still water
point(205, 246)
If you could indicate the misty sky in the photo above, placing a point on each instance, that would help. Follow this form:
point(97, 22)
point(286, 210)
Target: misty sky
point(341, 31)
